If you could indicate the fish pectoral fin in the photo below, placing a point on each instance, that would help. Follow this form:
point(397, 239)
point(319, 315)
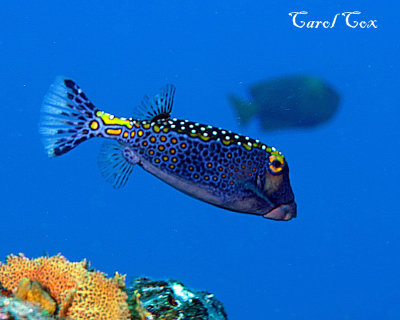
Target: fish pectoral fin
point(158, 107)
point(116, 163)
point(253, 188)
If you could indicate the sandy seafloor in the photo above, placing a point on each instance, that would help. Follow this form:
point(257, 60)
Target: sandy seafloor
point(338, 260)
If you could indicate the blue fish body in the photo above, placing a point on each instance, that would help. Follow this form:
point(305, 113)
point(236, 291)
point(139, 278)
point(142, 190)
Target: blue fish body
point(217, 166)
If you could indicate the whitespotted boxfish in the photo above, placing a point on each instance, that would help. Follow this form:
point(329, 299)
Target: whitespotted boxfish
point(217, 166)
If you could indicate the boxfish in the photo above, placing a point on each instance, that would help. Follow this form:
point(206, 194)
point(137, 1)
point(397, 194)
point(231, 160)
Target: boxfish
point(217, 166)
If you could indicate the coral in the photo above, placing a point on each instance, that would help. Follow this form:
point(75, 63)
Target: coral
point(171, 300)
point(55, 273)
point(103, 295)
point(34, 292)
point(66, 304)
point(54, 286)
point(16, 309)
point(79, 293)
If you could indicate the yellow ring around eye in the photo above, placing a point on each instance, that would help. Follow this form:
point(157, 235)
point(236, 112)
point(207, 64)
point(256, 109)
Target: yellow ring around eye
point(273, 158)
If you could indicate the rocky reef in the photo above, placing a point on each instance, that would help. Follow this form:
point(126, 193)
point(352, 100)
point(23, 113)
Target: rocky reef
point(12, 308)
point(54, 288)
point(170, 299)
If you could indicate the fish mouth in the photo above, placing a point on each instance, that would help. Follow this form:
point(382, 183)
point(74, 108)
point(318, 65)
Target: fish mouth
point(284, 212)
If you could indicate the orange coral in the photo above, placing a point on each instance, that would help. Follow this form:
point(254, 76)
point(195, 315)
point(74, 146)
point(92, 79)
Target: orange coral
point(59, 275)
point(17, 267)
point(108, 301)
point(80, 294)
point(54, 273)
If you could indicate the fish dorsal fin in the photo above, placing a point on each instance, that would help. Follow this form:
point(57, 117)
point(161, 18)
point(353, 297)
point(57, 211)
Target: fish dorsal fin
point(156, 107)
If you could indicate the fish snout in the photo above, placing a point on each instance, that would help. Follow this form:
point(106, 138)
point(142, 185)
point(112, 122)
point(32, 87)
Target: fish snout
point(284, 212)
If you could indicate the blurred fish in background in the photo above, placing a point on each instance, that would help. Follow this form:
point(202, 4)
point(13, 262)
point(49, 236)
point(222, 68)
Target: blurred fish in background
point(296, 101)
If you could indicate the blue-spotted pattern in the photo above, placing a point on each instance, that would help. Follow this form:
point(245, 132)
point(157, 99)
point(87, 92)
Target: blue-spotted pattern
point(200, 153)
point(212, 164)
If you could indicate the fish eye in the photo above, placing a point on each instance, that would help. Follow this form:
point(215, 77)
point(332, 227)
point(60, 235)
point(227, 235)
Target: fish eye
point(276, 163)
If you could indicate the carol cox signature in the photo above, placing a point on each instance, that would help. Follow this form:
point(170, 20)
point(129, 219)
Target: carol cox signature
point(348, 16)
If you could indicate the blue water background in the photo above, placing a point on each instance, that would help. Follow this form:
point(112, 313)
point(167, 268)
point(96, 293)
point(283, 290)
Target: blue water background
point(338, 260)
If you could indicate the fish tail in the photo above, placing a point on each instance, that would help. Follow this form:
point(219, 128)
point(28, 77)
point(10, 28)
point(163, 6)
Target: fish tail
point(67, 117)
point(245, 110)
